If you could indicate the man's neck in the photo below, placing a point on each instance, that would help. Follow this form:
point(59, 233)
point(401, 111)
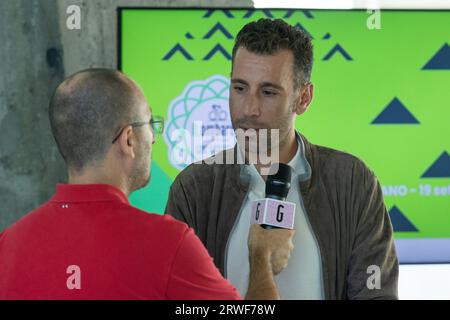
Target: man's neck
point(287, 151)
point(92, 176)
point(288, 148)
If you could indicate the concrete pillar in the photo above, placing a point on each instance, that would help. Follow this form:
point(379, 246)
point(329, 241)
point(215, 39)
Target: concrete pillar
point(31, 65)
point(37, 52)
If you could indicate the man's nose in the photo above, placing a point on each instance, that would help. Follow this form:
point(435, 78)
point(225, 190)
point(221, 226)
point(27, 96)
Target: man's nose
point(153, 138)
point(252, 106)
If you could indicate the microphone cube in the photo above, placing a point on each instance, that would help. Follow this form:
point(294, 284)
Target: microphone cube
point(273, 212)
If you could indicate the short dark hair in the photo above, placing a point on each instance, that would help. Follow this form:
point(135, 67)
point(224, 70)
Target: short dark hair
point(86, 111)
point(267, 36)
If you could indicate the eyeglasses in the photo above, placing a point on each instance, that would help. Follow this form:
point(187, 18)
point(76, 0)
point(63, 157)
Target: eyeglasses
point(156, 124)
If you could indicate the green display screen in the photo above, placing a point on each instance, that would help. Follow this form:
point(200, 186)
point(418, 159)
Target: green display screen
point(381, 94)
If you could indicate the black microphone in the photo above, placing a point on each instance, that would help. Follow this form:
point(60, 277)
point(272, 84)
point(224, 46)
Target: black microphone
point(278, 185)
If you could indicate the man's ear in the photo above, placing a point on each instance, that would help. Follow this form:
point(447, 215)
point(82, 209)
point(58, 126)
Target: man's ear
point(127, 141)
point(304, 99)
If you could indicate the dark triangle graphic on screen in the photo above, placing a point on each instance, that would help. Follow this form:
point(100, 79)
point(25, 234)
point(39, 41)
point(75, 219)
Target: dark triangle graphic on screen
point(250, 12)
point(440, 168)
point(400, 222)
point(395, 113)
point(180, 49)
point(326, 36)
point(210, 12)
point(337, 48)
point(216, 49)
point(218, 28)
point(188, 35)
point(441, 60)
point(290, 12)
point(298, 25)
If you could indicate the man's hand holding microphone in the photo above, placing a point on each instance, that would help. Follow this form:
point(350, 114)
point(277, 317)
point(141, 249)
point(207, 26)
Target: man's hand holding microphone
point(271, 233)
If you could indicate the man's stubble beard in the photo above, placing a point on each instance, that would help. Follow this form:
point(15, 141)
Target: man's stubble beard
point(283, 136)
point(141, 175)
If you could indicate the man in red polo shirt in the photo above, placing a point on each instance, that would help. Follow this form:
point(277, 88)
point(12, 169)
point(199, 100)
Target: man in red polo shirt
point(88, 242)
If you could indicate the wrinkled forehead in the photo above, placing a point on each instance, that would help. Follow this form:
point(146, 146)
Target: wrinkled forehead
point(277, 67)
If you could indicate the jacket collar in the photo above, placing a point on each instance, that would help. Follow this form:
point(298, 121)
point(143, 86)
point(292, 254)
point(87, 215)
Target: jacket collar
point(305, 184)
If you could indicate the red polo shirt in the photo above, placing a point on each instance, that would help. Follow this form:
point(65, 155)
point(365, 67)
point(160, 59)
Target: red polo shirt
point(88, 242)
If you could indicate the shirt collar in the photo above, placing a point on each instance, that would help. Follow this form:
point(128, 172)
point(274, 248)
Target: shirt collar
point(88, 193)
point(299, 163)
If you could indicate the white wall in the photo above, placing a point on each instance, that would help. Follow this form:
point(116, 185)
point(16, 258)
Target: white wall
point(424, 282)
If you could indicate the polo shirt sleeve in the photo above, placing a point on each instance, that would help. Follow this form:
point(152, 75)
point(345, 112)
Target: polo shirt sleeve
point(194, 276)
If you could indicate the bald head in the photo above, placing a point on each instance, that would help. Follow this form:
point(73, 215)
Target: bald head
point(88, 109)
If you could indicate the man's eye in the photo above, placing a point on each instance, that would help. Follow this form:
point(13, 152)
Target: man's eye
point(238, 89)
point(269, 93)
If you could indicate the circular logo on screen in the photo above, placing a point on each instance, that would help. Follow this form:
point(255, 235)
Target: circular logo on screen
point(199, 123)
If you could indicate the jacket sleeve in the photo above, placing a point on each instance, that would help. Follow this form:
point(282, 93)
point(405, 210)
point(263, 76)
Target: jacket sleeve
point(373, 265)
point(179, 205)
